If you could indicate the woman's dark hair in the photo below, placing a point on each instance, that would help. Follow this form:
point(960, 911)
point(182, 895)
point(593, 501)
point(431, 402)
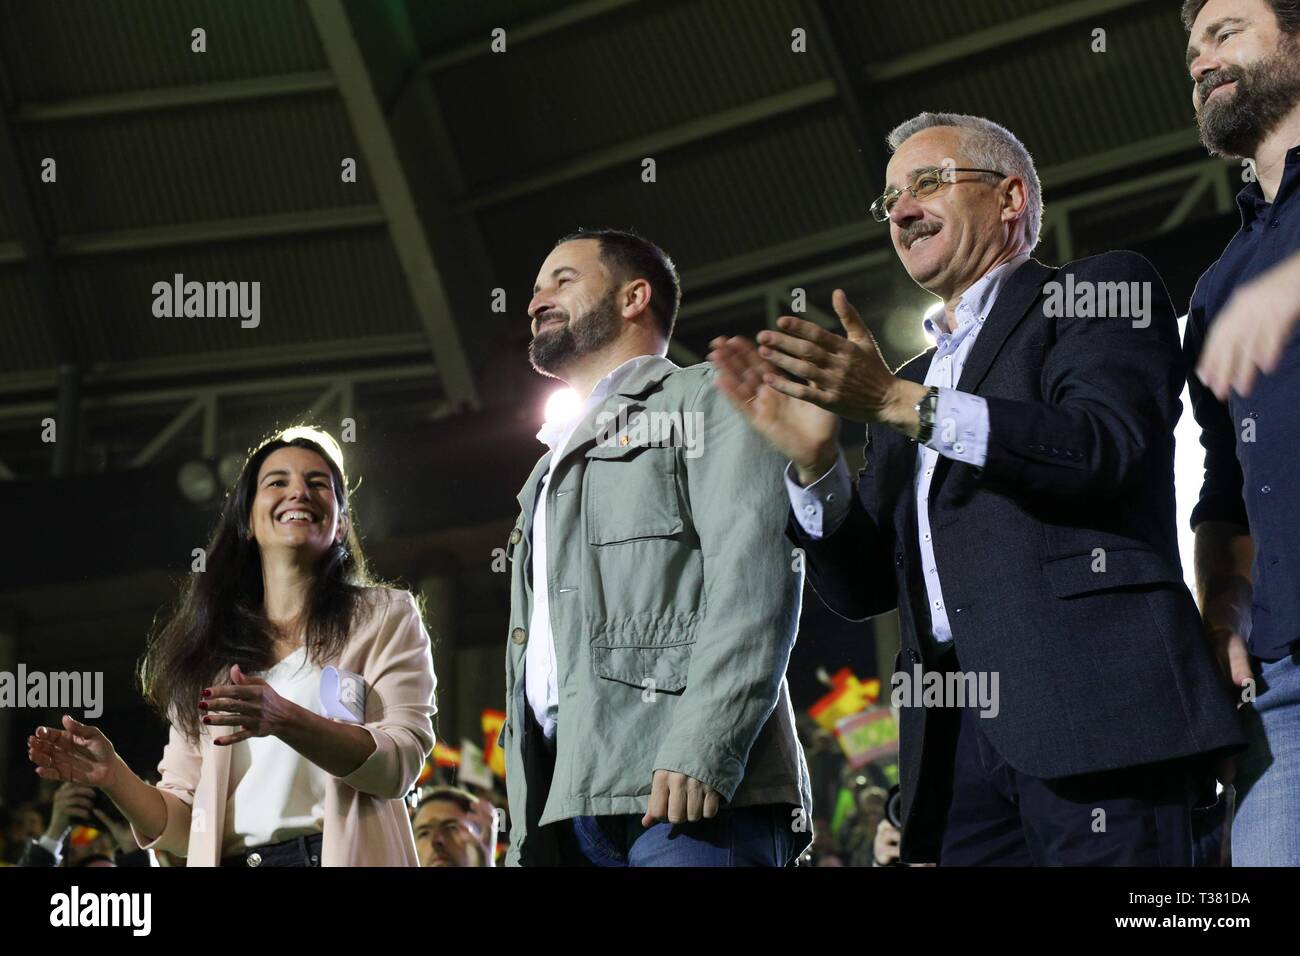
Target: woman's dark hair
point(219, 619)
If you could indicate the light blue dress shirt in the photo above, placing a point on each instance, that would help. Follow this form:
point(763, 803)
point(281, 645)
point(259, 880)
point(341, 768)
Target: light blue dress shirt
point(961, 432)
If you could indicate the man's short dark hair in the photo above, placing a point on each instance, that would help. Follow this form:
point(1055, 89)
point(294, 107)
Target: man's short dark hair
point(629, 256)
point(1286, 11)
point(462, 798)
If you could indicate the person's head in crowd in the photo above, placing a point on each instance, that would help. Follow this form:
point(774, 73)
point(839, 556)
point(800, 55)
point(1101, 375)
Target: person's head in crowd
point(448, 830)
point(95, 859)
point(961, 196)
point(872, 800)
point(1244, 60)
point(26, 822)
point(601, 296)
point(288, 517)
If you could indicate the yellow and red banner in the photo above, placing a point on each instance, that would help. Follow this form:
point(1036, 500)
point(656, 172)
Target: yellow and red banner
point(848, 696)
point(494, 756)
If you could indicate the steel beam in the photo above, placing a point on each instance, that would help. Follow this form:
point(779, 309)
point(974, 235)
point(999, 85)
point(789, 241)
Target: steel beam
point(833, 46)
point(541, 26)
point(785, 255)
point(993, 38)
point(867, 233)
point(802, 97)
point(303, 223)
point(428, 288)
point(232, 362)
point(169, 431)
point(244, 90)
point(191, 394)
point(631, 151)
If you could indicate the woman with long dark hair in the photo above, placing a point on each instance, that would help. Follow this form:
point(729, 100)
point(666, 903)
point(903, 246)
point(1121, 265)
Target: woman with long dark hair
point(299, 693)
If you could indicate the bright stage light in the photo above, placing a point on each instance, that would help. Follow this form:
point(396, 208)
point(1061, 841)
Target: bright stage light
point(1189, 471)
point(562, 405)
point(933, 314)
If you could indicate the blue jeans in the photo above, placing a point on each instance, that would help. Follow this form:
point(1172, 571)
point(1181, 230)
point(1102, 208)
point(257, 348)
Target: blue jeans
point(1266, 829)
point(745, 836)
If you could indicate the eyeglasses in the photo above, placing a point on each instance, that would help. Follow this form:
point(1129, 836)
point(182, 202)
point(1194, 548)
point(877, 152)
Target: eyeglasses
point(452, 828)
point(925, 183)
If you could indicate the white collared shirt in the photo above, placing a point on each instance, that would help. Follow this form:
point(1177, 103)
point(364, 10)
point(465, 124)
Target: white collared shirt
point(961, 432)
point(541, 682)
point(275, 792)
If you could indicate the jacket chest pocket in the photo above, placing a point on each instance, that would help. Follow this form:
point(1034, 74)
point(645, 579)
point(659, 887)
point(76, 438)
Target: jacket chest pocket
point(629, 493)
point(650, 667)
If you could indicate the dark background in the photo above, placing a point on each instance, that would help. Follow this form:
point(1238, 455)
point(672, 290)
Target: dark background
point(377, 295)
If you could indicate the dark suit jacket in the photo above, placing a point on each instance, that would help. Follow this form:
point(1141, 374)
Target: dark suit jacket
point(1097, 670)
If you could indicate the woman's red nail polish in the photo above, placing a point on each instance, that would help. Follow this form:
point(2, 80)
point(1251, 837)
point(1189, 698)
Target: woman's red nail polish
point(207, 692)
point(207, 719)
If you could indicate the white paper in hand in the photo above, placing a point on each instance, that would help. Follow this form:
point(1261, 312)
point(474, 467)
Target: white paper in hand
point(342, 695)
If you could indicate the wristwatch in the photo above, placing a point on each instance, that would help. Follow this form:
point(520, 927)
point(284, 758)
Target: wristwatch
point(926, 409)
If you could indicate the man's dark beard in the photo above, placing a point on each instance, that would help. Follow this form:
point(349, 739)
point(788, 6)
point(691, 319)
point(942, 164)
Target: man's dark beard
point(553, 350)
point(1234, 125)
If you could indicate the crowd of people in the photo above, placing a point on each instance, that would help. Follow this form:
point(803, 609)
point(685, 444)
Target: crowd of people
point(454, 825)
point(63, 826)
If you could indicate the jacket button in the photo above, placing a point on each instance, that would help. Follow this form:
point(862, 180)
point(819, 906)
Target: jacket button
point(913, 656)
point(254, 859)
point(898, 559)
point(516, 536)
point(518, 635)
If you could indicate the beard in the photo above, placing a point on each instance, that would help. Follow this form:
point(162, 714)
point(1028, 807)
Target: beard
point(555, 349)
point(1234, 125)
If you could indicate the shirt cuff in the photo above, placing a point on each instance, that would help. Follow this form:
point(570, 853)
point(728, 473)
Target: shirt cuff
point(820, 508)
point(961, 427)
point(53, 847)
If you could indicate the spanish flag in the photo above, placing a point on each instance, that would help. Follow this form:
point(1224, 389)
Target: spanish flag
point(847, 696)
point(444, 756)
point(493, 755)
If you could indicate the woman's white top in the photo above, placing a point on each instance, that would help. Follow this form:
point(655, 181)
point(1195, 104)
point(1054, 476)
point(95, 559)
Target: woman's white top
point(275, 792)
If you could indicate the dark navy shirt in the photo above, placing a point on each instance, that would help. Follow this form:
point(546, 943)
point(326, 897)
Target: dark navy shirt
point(1252, 445)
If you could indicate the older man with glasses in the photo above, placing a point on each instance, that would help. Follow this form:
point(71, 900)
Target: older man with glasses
point(1058, 706)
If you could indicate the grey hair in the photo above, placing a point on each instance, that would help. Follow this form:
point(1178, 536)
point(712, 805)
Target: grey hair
point(990, 145)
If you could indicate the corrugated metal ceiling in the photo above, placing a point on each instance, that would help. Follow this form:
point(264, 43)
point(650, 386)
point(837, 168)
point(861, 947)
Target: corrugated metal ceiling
point(52, 51)
point(630, 72)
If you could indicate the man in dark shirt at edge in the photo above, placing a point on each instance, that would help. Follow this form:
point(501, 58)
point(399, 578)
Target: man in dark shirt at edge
point(1244, 60)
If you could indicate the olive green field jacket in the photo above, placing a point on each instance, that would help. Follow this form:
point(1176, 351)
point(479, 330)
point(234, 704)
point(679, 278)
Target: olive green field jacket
point(674, 604)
